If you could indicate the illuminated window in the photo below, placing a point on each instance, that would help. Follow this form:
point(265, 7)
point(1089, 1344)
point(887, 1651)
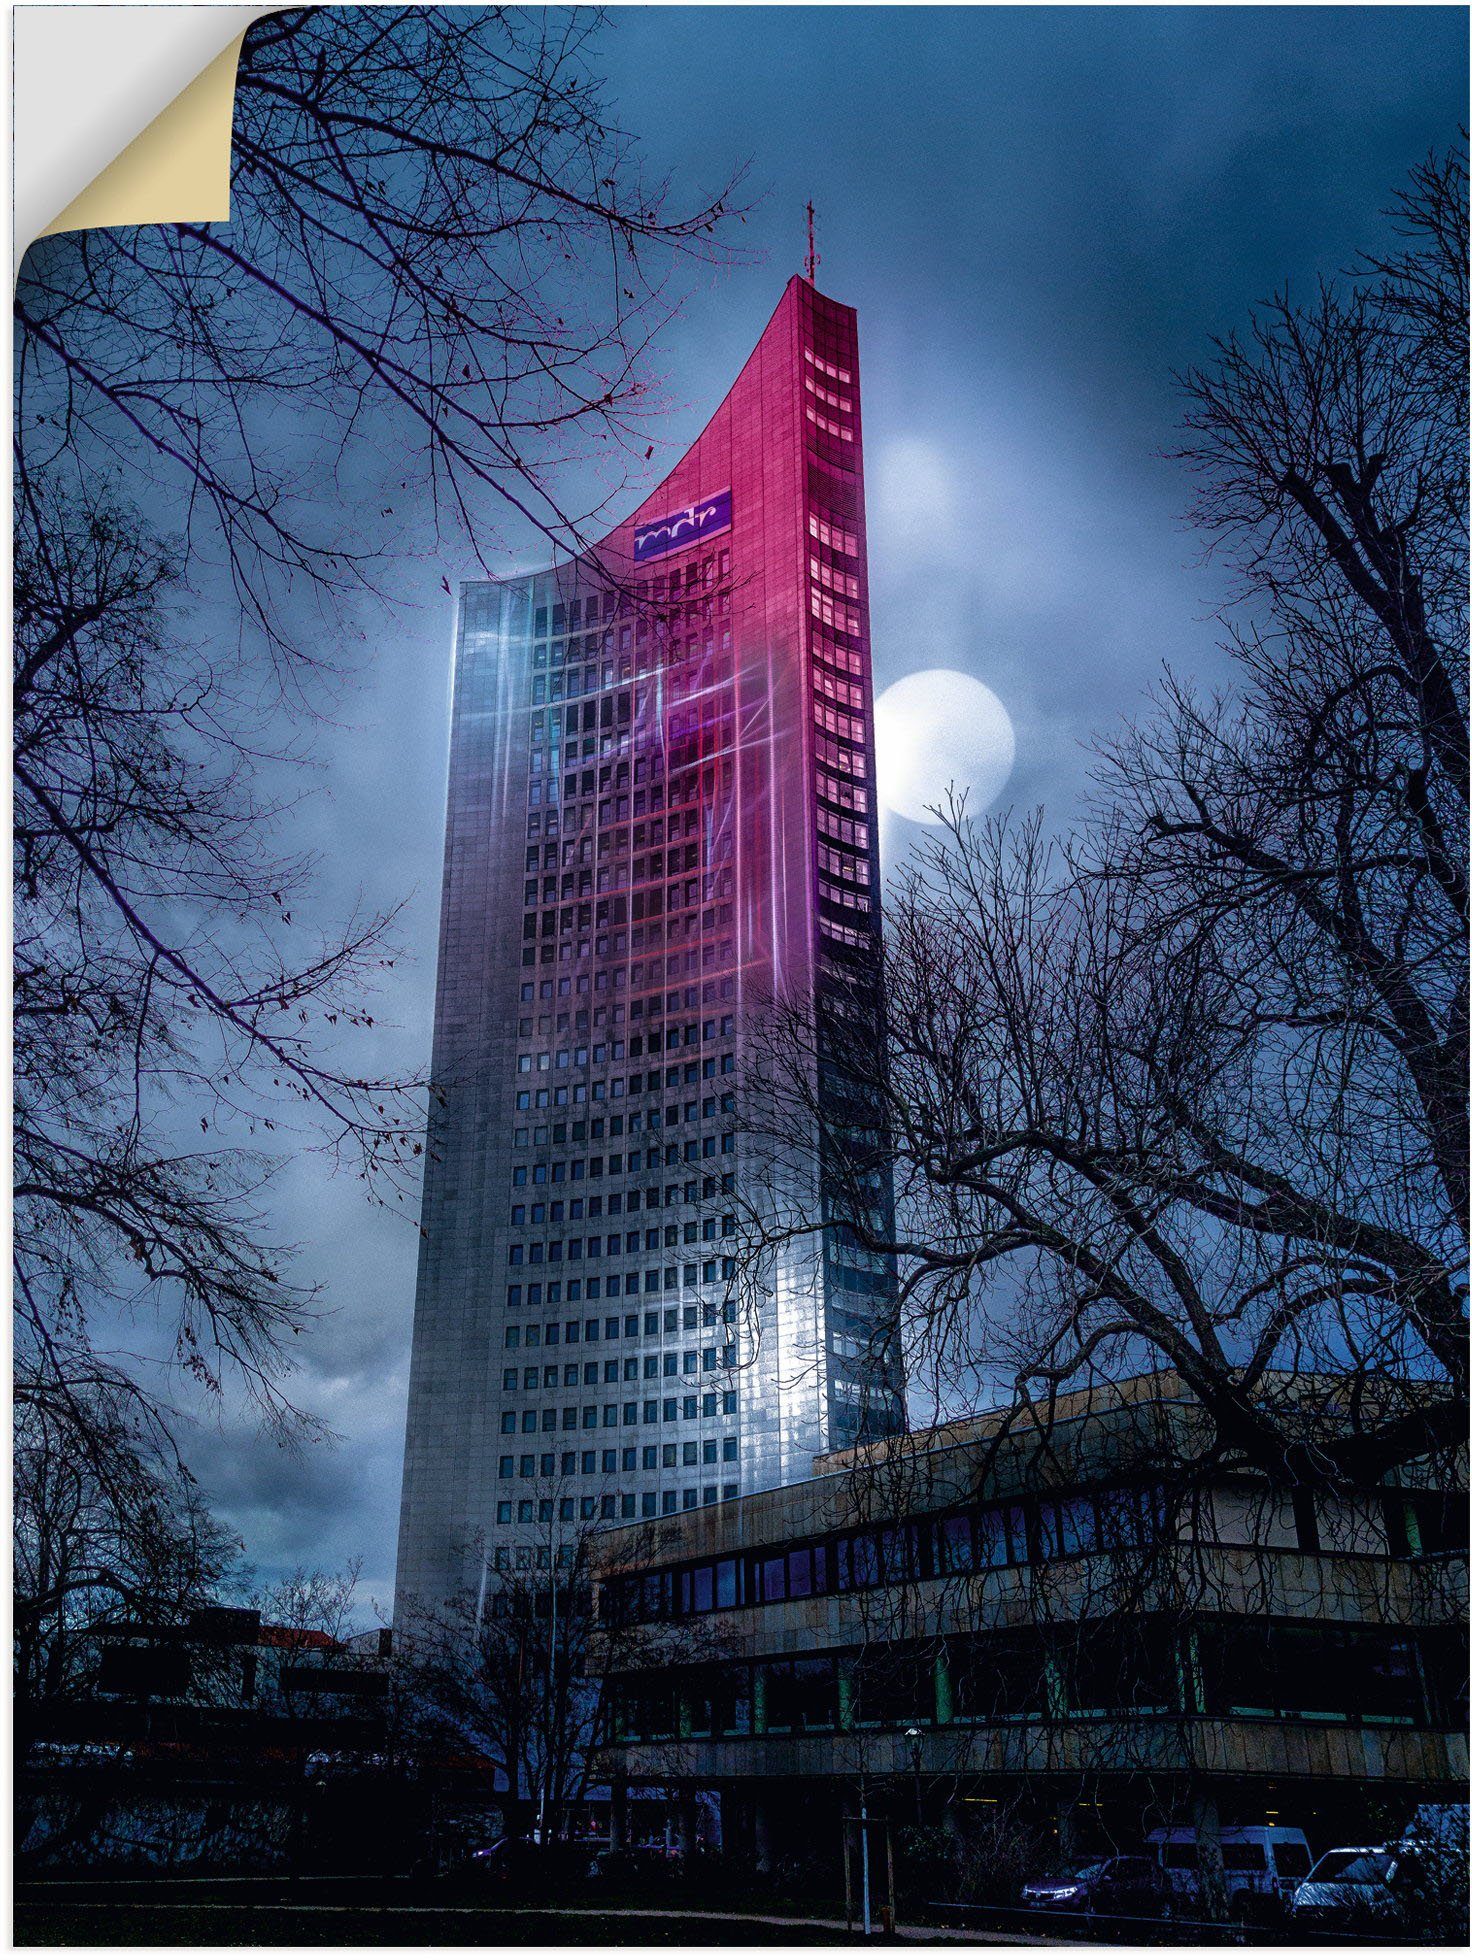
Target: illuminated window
point(833, 613)
point(850, 728)
point(842, 582)
point(833, 372)
point(843, 403)
point(827, 530)
point(841, 865)
point(850, 693)
point(840, 429)
point(854, 761)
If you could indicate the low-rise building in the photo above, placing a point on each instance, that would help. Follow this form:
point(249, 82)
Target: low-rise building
point(217, 1742)
point(1071, 1614)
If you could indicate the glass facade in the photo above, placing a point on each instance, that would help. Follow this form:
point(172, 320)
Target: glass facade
point(660, 821)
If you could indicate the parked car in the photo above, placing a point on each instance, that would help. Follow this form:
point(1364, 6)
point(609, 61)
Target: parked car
point(1130, 1887)
point(636, 1863)
point(1261, 1865)
point(1356, 1888)
point(523, 1865)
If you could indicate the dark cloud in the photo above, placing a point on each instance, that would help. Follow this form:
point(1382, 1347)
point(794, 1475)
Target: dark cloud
point(1039, 214)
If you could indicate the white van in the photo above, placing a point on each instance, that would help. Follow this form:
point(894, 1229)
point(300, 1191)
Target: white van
point(1261, 1863)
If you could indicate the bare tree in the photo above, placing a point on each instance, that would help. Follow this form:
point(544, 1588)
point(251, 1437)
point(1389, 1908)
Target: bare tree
point(438, 280)
point(1190, 1089)
point(105, 1536)
point(503, 1670)
point(315, 1602)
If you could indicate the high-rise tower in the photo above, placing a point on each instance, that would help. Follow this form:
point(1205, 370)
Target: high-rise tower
point(661, 818)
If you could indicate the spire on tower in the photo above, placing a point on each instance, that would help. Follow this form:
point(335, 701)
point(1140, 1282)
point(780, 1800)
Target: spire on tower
point(813, 261)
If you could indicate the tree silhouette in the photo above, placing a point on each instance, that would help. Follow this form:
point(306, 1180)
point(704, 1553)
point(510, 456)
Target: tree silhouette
point(440, 274)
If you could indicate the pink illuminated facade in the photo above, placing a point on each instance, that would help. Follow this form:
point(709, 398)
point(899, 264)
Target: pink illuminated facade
point(661, 817)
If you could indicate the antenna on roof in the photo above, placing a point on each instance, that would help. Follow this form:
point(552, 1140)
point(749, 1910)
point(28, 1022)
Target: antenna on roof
point(813, 261)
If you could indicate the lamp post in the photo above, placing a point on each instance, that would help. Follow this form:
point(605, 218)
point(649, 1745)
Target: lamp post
point(864, 1857)
point(551, 1700)
point(912, 1736)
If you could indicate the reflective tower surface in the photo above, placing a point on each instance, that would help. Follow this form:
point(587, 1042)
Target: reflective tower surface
point(661, 819)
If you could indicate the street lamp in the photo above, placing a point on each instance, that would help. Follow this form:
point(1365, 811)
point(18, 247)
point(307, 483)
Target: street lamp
point(551, 1701)
point(912, 1736)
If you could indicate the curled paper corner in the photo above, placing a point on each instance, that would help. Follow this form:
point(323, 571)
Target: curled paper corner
point(177, 169)
point(122, 114)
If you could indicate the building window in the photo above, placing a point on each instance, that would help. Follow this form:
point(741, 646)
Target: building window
point(801, 1695)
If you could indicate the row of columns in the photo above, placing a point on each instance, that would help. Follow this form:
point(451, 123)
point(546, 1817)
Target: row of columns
point(1205, 1819)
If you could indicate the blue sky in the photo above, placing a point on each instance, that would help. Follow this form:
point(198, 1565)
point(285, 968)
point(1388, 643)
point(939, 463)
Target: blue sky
point(1039, 213)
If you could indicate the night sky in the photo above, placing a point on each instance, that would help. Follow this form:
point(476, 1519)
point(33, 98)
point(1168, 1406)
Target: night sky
point(1039, 213)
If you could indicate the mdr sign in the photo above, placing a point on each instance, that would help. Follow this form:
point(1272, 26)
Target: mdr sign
point(702, 519)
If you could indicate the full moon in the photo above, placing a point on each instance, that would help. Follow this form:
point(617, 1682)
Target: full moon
point(936, 729)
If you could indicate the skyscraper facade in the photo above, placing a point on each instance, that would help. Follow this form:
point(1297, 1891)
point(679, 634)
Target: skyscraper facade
point(661, 822)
